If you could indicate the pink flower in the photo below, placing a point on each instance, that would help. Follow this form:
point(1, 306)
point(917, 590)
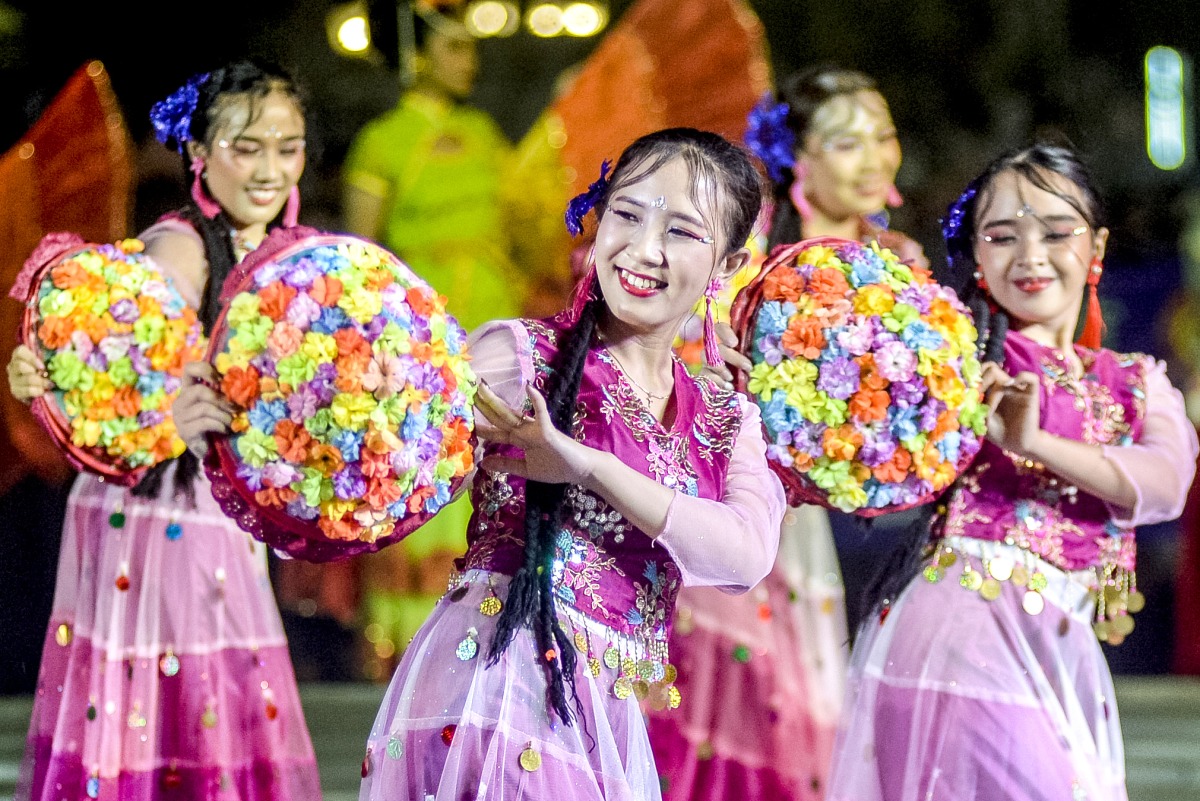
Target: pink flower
point(384, 376)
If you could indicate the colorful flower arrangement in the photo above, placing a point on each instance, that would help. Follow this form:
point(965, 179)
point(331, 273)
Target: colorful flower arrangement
point(352, 392)
point(866, 373)
point(114, 335)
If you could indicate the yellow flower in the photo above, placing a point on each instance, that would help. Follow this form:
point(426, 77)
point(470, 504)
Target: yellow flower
point(874, 300)
point(360, 304)
point(243, 309)
point(336, 508)
point(352, 409)
point(847, 497)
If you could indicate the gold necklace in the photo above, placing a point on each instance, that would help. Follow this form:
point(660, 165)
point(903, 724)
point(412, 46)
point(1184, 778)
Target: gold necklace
point(629, 376)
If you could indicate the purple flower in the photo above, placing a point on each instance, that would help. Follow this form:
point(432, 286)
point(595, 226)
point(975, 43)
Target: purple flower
point(150, 418)
point(97, 361)
point(124, 310)
point(839, 378)
point(427, 377)
point(265, 365)
point(374, 328)
point(780, 454)
point(584, 202)
point(877, 448)
point(929, 414)
point(280, 474)
point(395, 304)
point(348, 483)
point(302, 404)
point(82, 344)
point(322, 383)
point(251, 476)
point(172, 384)
point(141, 362)
point(916, 296)
point(770, 138)
point(907, 393)
point(300, 510)
point(303, 311)
point(808, 437)
point(430, 444)
point(895, 362)
point(303, 273)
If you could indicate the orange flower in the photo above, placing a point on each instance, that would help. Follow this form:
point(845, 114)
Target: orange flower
point(417, 499)
point(422, 351)
point(93, 326)
point(69, 274)
point(326, 459)
point(382, 492)
point(869, 377)
point(149, 307)
point(375, 465)
point(284, 339)
point(346, 528)
point(278, 497)
point(946, 421)
point(942, 314)
point(422, 301)
point(127, 401)
point(804, 337)
point(802, 461)
point(841, 443)
point(868, 405)
point(783, 284)
point(828, 284)
point(55, 331)
point(920, 275)
point(350, 371)
point(351, 343)
point(895, 470)
point(240, 385)
point(326, 290)
point(274, 298)
point(292, 440)
point(378, 279)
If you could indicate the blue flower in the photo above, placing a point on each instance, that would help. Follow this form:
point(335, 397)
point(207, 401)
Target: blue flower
point(903, 422)
point(773, 318)
point(441, 497)
point(332, 320)
point(769, 137)
point(349, 442)
point(584, 202)
point(264, 415)
point(918, 335)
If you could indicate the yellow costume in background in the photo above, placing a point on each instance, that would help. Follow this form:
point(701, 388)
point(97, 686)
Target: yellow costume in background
point(439, 168)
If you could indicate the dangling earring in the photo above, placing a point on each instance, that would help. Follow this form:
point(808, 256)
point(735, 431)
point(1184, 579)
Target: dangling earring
point(1093, 323)
point(291, 212)
point(894, 198)
point(712, 355)
point(208, 207)
point(980, 281)
point(796, 192)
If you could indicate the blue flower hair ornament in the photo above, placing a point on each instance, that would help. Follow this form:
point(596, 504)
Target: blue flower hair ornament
point(952, 222)
point(172, 116)
point(769, 137)
point(584, 202)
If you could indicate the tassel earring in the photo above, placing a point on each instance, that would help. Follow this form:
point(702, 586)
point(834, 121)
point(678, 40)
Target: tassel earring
point(894, 198)
point(208, 207)
point(1093, 323)
point(712, 355)
point(796, 192)
point(583, 290)
point(291, 212)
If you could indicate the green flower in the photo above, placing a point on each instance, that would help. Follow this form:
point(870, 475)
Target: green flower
point(296, 369)
point(242, 309)
point(899, 317)
point(314, 487)
point(829, 474)
point(848, 496)
point(320, 423)
point(67, 371)
point(121, 372)
point(252, 334)
point(58, 302)
point(256, 447)
point(148, 330)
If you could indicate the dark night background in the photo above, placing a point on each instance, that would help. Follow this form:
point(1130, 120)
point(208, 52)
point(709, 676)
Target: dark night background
point(964, 81)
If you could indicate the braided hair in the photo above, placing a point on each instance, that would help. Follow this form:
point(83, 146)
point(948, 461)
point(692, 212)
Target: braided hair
point(1039, 164)
point(252, 80)
point(734, 188)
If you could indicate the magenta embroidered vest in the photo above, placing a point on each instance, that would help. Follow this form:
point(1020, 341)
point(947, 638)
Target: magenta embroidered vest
point(1005, 497)
point(607, 572)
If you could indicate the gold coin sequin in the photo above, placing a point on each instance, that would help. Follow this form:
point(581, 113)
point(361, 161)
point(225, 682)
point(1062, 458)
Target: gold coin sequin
point(934, 573)
point(530, 759)
point(581, 643)
point(989, 590)
point(594, 667)
point(947, 558)
point(670, 673)
point(490, 606)
point(62, 635)
point(641, 689)
point(1122, 624)
point(1136, 602)
point(1101, 628)
point(622, 688)
point(1001, 568)
point(1020, 575)
point(971, 579)
point(612, 657)
point(674, 697)
point(1038, 582)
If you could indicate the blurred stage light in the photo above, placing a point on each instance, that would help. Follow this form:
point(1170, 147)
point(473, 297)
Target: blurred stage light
point(584, 19)
point(545, 19)
point(347, 29)
point(487, 18)
point(1167, 87)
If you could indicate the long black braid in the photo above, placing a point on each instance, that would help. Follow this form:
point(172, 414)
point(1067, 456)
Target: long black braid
point(255, 80)
point(725, 171)
point(1038, 164)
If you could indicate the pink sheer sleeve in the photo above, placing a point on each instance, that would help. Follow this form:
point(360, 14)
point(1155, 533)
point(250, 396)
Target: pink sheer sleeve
point(171, 227)
point(1162, 463)
point(502, 355)
point(730, 543)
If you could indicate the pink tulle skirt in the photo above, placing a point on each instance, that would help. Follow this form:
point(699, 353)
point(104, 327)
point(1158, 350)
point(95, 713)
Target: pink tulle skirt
point(956, 697)
point(452, 728)
point(762, 676)
point(165, 673)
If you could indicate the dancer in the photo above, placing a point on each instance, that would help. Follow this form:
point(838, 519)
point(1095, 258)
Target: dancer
point(765, 672)
point(981, 676)
point(166, 672)
point(525, 681)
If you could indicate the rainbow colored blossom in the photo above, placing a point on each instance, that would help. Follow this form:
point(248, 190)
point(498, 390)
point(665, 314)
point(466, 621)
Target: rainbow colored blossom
point(352, 387)
point(115, 334)
point(867, 376)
